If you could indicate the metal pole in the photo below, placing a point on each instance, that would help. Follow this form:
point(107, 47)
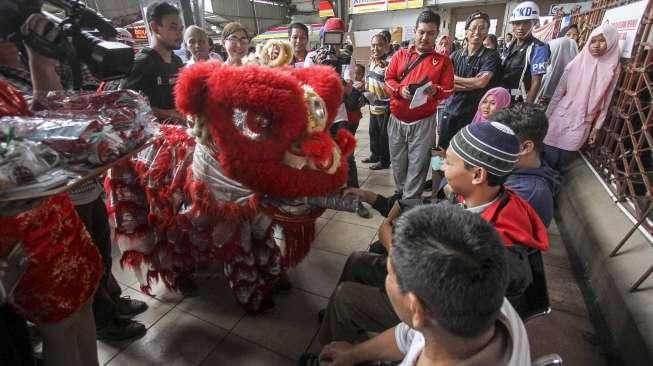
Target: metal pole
point(632, 230)
point(635, 286)
point(187, 12)
point(256, 23)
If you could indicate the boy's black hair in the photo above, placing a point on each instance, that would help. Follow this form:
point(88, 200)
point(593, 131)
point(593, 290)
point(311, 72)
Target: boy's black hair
point(455, 263)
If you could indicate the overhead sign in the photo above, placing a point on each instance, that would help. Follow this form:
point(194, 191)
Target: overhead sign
point(282, 32)
point(626, 19)
point(326, 10)
point(370, 6)
point(138, 32)
point(569, 8)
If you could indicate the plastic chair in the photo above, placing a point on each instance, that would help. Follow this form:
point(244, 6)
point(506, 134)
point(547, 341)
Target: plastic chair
point(553, 359)
point(534, 301)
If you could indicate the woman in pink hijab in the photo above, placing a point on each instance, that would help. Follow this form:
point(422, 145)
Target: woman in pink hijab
point(494, 100)
point(580, 103)
point(444, 45)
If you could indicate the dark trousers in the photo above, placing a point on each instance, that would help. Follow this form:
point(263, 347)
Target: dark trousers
point(359, 303)
point(379, 146)
point(352, 178)
point(95, 218)
point(556, 158)
point(450, 125)
point(15, 342)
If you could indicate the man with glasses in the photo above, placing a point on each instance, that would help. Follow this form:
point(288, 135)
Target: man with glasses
point(476, 70)
point(411, 128)
point(236, 43)
point(155, 69)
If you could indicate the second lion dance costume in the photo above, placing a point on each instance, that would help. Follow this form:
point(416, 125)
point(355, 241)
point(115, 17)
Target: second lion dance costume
point(225, 190)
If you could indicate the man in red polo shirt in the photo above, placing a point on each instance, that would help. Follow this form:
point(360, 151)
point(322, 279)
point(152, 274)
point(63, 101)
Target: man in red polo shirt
point(411, 130)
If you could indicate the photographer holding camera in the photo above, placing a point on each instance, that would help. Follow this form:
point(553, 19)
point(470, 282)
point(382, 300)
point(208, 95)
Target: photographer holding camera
point(46, 43)
point(329, 53)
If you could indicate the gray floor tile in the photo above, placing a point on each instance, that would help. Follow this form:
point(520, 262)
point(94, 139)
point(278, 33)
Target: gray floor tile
point(235, 350)
point(344, 238)
point(177, 339)
point(215, 303)
point(381, 178)
point(320, 223)
point(318, 273)
point(289, 328)
point(106, 351)
point(562, 333)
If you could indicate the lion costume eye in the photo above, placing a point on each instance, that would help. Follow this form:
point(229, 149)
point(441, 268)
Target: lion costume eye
point(317, 114)
point(254, 126)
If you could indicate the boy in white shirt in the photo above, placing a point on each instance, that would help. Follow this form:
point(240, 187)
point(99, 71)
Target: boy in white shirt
point(446, 281)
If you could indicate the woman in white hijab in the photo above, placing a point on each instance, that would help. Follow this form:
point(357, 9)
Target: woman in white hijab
point(563, 50)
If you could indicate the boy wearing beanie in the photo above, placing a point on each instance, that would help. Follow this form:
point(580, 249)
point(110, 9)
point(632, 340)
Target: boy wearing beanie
point(478, 161)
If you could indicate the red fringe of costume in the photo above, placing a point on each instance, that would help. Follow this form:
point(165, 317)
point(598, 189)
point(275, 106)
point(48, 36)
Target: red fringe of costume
point(178, 205)
point(165, 224)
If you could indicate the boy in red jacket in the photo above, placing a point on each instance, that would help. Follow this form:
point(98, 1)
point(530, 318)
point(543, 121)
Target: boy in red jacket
point(479, 159)
point(411, 131)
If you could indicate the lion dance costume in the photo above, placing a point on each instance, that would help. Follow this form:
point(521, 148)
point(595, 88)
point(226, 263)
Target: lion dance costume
point(234, 189)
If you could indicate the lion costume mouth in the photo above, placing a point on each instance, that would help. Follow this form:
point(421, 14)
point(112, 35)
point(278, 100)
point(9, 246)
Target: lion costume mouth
point(270, 127)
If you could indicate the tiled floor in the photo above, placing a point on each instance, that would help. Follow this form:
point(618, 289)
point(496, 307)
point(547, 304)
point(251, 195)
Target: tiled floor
point(211, 329)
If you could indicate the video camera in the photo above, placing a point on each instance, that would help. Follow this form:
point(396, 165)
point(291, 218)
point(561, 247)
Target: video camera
point(75, 43)
point(328, 52)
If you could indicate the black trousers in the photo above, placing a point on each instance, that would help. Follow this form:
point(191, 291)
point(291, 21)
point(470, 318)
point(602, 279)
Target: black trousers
point(15, 342)
point(95, 218)
point(450, 125)
point(379, 146)
point(352, 178)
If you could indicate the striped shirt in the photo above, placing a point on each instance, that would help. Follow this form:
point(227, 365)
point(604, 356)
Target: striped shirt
point(380, 99)
point(508, 347)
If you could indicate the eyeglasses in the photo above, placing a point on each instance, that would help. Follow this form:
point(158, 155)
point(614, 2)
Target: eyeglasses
point(243, 40)
point(477, 29)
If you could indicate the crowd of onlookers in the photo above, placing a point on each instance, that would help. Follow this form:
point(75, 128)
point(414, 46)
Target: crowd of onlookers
point(494, 123)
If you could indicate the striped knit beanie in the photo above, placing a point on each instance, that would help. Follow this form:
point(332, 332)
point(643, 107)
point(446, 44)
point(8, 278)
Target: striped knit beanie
point(491, 145)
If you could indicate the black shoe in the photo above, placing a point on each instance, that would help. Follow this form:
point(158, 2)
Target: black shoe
point(379, 166)
point(187, 286)
point(266, 306)
point(363, 212)
point(128, 307)
point(283, 284)
point(309, 359)
point(428, 185)
point(121, 330)
point(320, 315)
point(371, 159)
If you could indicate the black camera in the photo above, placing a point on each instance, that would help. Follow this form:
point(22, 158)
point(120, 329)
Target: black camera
point(328, 53)
point(75, 43)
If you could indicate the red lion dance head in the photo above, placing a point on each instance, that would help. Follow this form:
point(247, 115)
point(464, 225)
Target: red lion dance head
point(269, 127)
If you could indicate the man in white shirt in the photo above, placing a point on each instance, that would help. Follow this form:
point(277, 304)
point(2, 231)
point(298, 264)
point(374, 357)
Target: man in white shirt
point(446, 281)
